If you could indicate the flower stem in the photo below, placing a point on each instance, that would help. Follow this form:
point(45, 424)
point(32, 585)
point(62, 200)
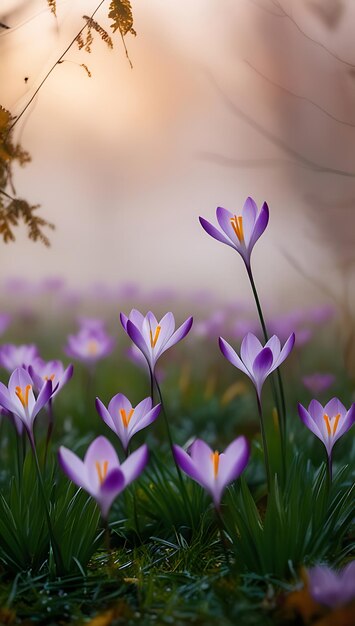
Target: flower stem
point(329, 472)
point(265, 449)
point(56, 550)
point(220, 525)
point(279, 401)
point(178, 470)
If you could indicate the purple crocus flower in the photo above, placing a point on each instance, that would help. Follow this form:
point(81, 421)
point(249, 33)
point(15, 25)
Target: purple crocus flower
point(18, 398)
point(12, 356)
point(89, 345)
point(317, 383)
point(257, 361)
point(153, 337)
point(332, 588)
point(125, 420)
point(328, 423)
point(242, 231)
point(41, 371)
point(212, 470)
point(100, 473)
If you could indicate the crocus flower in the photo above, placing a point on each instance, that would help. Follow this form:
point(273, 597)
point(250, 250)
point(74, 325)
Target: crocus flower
point(212, 470)
point(257, 361)
point(41, 371)
point(317, 383)
point(125, 420)
point(12, 356)
point(18, 398)
point(89, 345)
point(328, 423)
point(240, 231)
point(332, 588)
point(153, 337)
point(100, 473)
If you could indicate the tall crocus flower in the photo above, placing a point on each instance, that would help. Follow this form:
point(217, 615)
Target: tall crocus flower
point(241, 230)
point(89, 345)
point(211, 469)
point(100, 473)
point(332, 588)
point(125, 420)
point(153, 337)
point(328, 423)
point(18, 398)
point(255, 360)
point(41, 371)
point(12, 356)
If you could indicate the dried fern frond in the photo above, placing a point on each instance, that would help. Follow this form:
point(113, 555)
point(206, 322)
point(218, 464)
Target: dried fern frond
point(53, 6)
point(86, 69)
point(92, 24)
point(120, 12)
point(80, 41)
point(13, 210)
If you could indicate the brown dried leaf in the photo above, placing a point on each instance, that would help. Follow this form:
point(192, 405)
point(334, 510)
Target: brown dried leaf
point(53, 6)
point(120, 12)
point(91, 23)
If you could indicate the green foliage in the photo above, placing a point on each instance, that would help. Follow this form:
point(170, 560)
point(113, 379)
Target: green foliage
point(302, 523)
point(24, 538)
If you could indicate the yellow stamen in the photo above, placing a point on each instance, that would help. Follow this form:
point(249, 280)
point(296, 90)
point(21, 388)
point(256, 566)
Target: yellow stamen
point(215, 461)
point(237, 224)
point(336, 422)
point(153, 340)
point(51, 377)
point(126, 418)
point(327, 423)
point(102, 471)
point(92, 347)
point(23, 398)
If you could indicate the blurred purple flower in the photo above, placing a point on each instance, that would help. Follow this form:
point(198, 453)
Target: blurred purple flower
point(5, 320)
point(18, 398)
point(332, 588)
point(89, 345)
point(153, 337)
point(241, 232)
point(91, 323)
point(317, 383)
point(12, 356)
point(328, 423)
point(257, 361)
point(212, 470)
point(100, 473)
point(125, 420)
point(41, 371)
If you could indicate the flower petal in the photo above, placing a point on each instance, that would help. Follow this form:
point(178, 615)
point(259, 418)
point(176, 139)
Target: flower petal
point(134, 465)
point(214, 232)
point(180, 333)
point(232, 356)
point(249, 350)
point(73, 467)
point(260, 225)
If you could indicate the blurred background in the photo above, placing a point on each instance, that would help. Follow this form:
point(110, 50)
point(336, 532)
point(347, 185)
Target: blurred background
point(225, 99)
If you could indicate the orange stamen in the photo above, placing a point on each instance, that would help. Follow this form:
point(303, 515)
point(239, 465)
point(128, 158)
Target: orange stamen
point(51, 377)
point(215, 461)
point(153, 340)
point(237, 224)
point(336, 422)
point(92, 347)
point(23, 398)
point(126, 418)
point(327, 423)
point(102, 472)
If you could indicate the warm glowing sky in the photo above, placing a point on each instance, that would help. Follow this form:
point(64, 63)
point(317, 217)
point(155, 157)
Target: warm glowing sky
point(117, 158)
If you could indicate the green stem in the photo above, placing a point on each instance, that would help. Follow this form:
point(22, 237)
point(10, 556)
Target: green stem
point(220, 525)
point(265, 449)
point(280, 402)
point(56, 550)
point(329, 472)
point(178, 470)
